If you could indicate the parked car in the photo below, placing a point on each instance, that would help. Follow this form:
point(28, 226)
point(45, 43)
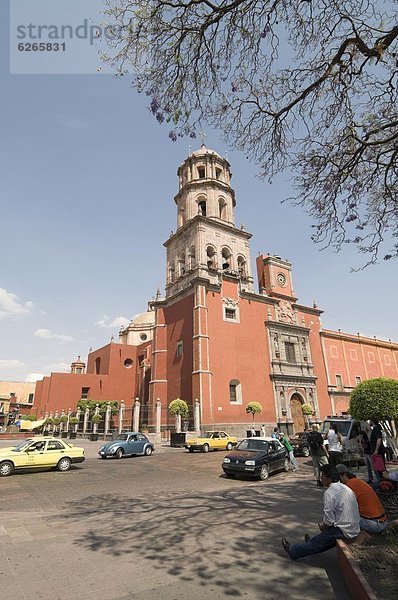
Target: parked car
point(256, 456)
point(300, 444)
point(211, 440)
point(39, 452)
point(128, 443)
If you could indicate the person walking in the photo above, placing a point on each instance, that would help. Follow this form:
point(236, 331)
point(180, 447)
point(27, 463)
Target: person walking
point(340, 518)
point(318, 452)
point(284, 440)
point(377, 449)
point(373, 516)
point(335, 442)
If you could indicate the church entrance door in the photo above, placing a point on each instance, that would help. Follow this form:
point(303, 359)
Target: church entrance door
point(297, 413)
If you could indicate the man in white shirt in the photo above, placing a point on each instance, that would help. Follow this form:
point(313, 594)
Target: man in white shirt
point(340, 518)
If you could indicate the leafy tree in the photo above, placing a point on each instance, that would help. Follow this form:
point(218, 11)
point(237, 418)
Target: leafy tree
point(377, 398)
point(307, 409)
point(310, 86)
point(179, 407)
point(254, 408)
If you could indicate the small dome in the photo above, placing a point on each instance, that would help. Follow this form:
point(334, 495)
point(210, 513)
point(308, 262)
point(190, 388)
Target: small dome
point(146, 318)
point(204, 150)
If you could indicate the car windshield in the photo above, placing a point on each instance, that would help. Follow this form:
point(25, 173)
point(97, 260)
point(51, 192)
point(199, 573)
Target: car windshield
point(253, 445)
point(122, 436)
point(22, 446)
point(342, 426)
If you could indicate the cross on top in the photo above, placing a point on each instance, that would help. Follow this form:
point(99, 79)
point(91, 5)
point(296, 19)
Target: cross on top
point(203, 136)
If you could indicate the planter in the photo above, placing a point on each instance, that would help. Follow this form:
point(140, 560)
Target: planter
point(64, 434)
point(93, 437)
point(72, 435)
point(46, 433)
point(177, 440)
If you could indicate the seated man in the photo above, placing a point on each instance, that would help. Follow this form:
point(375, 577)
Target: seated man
point(340, 518)
point(373, 517)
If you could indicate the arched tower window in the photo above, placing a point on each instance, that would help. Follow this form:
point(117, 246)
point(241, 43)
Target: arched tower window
point(181, 215)
point(226, 256)
point(222, 209)
point(202, 208)
point(242, 266)
point(181, 264)
point(201, 172)
point(171, 275)
point(98, 365)
point(211, 257)
point(191, 258)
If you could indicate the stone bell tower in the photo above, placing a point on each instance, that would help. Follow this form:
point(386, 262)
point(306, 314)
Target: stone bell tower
point(206, 243)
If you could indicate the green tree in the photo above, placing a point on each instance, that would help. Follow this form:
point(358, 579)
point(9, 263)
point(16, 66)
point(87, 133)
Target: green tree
point(307, 86)
point(378, 399)
point(254, 408)
point(179, 407)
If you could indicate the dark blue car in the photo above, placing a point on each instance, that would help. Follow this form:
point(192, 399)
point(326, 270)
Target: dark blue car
point(128, 443)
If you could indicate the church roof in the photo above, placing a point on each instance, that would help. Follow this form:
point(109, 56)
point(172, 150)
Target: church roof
point(146, 318)
point(204, 150)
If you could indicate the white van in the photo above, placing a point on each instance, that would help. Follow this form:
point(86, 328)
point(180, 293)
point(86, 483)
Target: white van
point(350, 429)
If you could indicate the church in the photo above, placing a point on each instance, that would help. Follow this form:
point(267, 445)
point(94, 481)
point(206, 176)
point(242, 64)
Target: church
point(222, 336)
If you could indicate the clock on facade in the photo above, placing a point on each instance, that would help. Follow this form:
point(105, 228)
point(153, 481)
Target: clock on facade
point(281, 279)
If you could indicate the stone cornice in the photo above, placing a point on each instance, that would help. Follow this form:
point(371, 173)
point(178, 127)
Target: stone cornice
point(309, 309)
point(207, 182)
point(358, 339)
point(293, 379)
point(208, 222)
point(287, 326)
point(257, 297)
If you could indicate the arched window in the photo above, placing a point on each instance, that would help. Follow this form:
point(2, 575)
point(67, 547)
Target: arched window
point(181, 215)
point(98, 365)
point(226, 256)
point(191, 258)
point(211, 257)
point(235, 391)
point(242, 266)
point(181, 264)
point(202, 208)
point(171, 272)
point(222, 209)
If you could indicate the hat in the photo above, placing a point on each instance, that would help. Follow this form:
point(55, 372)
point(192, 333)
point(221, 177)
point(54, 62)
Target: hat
point(343, 469)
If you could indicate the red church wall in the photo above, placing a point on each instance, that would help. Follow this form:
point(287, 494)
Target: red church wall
point(238, 351)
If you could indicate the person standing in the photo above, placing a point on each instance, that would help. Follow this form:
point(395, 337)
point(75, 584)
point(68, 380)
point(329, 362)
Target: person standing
point(365, 443)
point(340, 518)
point(275, 433)
point(318, 452)
point(335, 448)
point(284, 440)
point(373, 516)
point(252, 431)
point(377, 449)
point(262, 431)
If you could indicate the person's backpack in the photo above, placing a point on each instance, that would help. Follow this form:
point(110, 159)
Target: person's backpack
point(314, 441)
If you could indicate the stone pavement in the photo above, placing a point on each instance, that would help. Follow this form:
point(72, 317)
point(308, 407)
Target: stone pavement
point(167, 527)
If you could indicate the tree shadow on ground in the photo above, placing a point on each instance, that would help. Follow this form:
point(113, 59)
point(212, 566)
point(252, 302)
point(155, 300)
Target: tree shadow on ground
point(229, 539)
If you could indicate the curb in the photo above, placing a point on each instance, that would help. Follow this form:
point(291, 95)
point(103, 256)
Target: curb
point(352, 575)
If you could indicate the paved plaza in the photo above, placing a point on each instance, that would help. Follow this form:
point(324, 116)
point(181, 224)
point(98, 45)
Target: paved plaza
point(164, 527)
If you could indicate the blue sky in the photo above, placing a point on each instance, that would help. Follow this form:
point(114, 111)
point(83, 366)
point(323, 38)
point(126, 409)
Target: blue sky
point(87, 185)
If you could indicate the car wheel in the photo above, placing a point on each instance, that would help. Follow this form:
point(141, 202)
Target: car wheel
point(286, 465)
point(264, 473)
point(229, 446)
point(148, 451)
point(6, 468)
point(64, 464)
point(230, 475)
point(190, 449)
point(119, 453)
point(306, 452)
point(103, 457)
point(205, 448)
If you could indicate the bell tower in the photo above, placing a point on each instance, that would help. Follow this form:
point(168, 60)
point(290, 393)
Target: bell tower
point(206, 243)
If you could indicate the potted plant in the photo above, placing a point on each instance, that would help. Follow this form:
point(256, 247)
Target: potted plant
point(64, 433)
point(95, 419)
point(308, 410)
point(73, 422)
point(56, 423)
point(178, 408)
point(253, 408)
point(47, 424)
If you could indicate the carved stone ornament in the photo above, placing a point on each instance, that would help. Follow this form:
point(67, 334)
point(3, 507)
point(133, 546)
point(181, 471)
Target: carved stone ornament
point(285, 312)
point(230, 302)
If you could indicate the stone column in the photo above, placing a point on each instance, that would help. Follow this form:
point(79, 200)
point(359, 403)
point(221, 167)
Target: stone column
point(78, 411)
point(197, 416)
point(136, 415)
point(96, 412)
point(158, 416)
point(121, 415)
point(86, 418)
point(108, 415)
point(69, 414)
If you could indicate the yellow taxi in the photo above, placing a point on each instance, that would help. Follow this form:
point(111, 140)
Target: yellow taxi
point(43, 452)
point(211, 440)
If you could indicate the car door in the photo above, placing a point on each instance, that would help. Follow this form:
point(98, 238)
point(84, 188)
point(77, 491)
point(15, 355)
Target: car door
point(216, 440)
point(132, 445)
point(34, 454)
point(276, 455)
point(54, 450)
point(280, 454)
